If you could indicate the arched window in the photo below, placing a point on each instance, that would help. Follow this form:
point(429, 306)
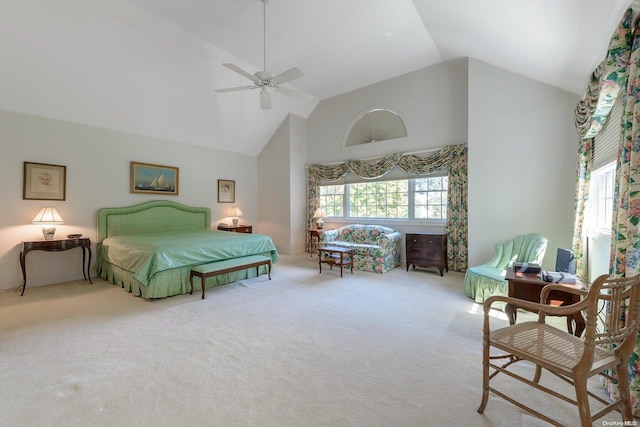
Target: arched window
point(375, 124)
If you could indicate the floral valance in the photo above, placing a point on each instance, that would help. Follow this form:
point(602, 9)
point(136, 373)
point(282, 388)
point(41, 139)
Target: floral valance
point(380, 167)
point(606, 82)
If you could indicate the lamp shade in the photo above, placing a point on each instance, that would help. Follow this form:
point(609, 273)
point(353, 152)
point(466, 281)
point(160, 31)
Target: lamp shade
point(48, 215)
point(319, 213)
point(235, 212)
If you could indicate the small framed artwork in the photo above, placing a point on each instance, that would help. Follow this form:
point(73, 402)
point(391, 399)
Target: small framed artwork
point(44, 182)
point(154, 179)
point(226, 191)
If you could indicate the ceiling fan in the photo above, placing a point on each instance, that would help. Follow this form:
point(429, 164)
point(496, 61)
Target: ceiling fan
point(266, 81)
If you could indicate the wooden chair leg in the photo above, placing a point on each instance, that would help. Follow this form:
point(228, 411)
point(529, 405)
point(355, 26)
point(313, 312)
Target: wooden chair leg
point(582, 398)
point(485, 377)
point(536, 376)
point(625, 393)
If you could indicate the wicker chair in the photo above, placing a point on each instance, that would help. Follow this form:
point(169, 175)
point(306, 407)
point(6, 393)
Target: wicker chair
point(606, 344)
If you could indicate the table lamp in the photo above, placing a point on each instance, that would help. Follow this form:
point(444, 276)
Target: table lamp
point(318, 216)
point(234, 213)
point(48, 217)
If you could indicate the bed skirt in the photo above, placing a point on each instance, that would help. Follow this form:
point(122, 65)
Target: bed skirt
point(169, 282)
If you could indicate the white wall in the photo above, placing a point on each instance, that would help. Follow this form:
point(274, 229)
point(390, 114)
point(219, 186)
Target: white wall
point(273, 188)
point(282, 186)
point(432, 102)
point(98, 164)
point(522, 161)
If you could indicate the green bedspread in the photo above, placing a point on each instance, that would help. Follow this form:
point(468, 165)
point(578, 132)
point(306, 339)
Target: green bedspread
point(146, 255)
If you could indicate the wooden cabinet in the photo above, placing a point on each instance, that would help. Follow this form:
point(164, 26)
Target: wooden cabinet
point(427, 250)
point(237, 229)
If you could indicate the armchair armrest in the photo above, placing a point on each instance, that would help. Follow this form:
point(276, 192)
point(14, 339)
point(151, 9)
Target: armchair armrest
point(542, 309)
point(544, 294)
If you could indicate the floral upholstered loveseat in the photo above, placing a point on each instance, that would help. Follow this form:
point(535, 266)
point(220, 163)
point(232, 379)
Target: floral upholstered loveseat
point(375, 248)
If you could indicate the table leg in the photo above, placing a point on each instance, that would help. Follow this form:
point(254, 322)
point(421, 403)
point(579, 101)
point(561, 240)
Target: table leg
point(83, 261)
point(341, 263)
point(320, 260)
point(580, 324)
point(89, 264)
point(23, 256)
point(351, 255)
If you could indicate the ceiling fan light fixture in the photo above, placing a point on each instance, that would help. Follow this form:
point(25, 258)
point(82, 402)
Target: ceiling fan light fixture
point(265, 98)
point(265, 80)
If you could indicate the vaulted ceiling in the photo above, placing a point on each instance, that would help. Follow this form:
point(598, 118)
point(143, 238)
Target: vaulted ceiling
point(150, 67)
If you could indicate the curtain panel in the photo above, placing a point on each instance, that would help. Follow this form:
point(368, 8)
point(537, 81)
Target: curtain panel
point(591, 114)
point(620, 70)
point(454, 157)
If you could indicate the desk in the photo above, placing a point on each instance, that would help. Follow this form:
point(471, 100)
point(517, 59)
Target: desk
point(528, 287)
point(54, 246)
point(335, 255)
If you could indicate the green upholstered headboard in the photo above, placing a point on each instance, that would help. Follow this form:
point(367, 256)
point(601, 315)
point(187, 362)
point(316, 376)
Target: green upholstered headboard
point(151, 217)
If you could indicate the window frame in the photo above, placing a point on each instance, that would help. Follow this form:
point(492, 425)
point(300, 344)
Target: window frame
point(345, 219)
point(595, 200)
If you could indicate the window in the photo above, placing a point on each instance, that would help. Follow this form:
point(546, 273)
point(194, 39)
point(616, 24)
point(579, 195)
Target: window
point(382, 199)
point(431, 197)
point(375, 124)
point(601, 199)
point(417, 198)
point(332, 200)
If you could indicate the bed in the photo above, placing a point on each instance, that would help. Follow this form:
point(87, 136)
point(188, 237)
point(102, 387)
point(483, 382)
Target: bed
point(149, 248)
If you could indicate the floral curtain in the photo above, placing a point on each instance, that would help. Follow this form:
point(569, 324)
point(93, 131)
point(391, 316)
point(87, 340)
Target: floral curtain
point(591, 115)
point(619, 70)
point(453, 156)
point(625, 245)
point(585, 161)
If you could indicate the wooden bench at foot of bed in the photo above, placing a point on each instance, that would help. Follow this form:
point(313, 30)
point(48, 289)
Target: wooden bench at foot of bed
point(227, 266)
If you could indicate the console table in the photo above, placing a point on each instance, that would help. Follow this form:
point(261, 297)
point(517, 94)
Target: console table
point(55, 246)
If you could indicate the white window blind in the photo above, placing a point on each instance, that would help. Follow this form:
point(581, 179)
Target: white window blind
point(607, 141)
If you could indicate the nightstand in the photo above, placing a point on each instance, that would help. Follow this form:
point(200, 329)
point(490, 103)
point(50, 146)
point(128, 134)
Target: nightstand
point(54, 246)
point(237, 229)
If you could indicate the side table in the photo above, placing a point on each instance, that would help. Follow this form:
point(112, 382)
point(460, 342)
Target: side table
point(335, 255)
point(248, 229)
point(55, 246)
point(314, 238)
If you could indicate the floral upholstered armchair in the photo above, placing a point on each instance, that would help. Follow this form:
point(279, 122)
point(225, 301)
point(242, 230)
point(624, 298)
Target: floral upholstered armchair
point(375, 248)
point(483, 281)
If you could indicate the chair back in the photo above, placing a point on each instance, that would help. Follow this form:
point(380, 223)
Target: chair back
point(616, 303)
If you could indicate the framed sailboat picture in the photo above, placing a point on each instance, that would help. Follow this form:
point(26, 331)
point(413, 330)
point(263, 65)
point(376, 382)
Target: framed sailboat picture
point(154, 179)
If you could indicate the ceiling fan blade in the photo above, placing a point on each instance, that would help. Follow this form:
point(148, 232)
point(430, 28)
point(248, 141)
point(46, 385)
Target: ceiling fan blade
point(288, 75)
point(239, 70)
point(265, 99)
point(234, 89)
point(295, 93)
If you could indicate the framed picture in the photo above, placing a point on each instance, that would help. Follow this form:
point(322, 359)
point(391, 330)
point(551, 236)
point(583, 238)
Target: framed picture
point(44, 182)
point(154, 179)
point(226, 191)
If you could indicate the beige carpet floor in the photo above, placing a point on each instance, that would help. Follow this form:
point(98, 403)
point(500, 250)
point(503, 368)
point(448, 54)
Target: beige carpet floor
point(304, 349)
